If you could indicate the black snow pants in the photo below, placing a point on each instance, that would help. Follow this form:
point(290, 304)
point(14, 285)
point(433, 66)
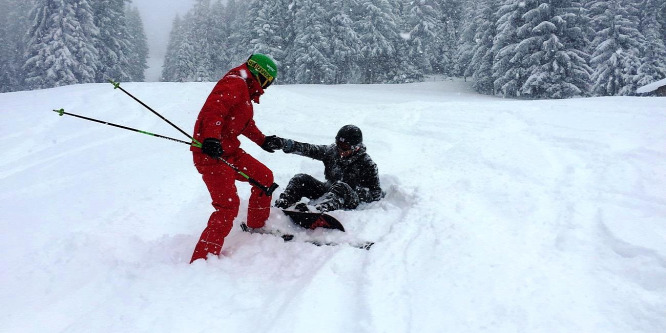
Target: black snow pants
point(329, 197)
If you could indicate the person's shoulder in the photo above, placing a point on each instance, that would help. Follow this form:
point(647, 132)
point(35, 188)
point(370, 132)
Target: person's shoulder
point(232, 84)
point(232, 79)
point(366, 157)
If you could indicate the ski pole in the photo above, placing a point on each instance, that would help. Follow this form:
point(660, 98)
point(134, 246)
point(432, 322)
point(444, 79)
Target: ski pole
point(62, 112)
point(268, 190)
point(116, 85)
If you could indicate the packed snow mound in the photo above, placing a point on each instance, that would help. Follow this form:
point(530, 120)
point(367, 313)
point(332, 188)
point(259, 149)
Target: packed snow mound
point(500, 215)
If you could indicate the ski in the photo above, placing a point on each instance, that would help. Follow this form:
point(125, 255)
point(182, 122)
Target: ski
point(363, 245)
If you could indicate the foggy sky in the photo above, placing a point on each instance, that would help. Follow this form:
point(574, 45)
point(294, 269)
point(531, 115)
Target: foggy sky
point(157, 16)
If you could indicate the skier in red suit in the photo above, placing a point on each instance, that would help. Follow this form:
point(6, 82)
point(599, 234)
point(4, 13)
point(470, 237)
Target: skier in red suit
point(226, 114)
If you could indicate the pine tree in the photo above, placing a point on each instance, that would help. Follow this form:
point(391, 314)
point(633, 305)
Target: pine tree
point(376, 25)
point(5, 51)
point(201, 35)
point(540, 50)
point(616, 47)
point(508, 69)
point(653, 58)
point(138, 58)
point(13, 27)
point(345, 44)
point(197, 45)
point(238, 27)
point(424, 26)
point(184, 67)
point(271, 31)
point(445, 48)
point(60, 44)
point(467, 40)
point(480, 66)
point(220, 57)
point(555, 67)
point(310, 52)
point(170, 58)
point(661, 18)
point(113, 43)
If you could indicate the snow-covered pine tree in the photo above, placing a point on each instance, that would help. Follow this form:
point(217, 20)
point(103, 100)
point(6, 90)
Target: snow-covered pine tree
point(60, 45)
point(443, 53)
point(616, 47)
point(113, 42)
point(202, 36)
point(5, 50)
point(508, 69)
point(467, 37)
point(13, 28)
point(310, 54)
point(423, 26)
point(196, 49)
point(378, 30)
point(345, 44)
point(184, 67)
point(237, 22)
point(653, 56)
point(662, 21)
point(271, 31)
point(539, 53)
point(220, 57)
point(138, 44)
point(480, 67)
point(170, 58)
point(551, 37)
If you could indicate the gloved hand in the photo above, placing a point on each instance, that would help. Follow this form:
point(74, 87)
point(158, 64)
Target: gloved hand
point(212, 147)
point(272, 143)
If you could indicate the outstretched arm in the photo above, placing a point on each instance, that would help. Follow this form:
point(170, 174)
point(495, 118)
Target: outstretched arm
point(317, 152)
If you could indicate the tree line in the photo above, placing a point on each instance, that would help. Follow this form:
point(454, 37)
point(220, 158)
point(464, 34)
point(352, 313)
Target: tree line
point(509, 48)
point(50, 43)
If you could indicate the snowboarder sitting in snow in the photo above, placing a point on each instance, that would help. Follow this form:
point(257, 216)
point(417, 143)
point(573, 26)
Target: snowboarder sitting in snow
point(351, 175)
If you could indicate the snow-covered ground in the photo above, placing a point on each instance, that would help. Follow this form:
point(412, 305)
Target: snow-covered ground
point(500, 215)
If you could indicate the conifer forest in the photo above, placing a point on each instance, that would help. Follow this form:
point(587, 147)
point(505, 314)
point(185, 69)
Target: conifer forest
point(537, 49)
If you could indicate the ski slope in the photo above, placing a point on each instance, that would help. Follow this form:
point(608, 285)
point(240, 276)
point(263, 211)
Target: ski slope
point(500, 215)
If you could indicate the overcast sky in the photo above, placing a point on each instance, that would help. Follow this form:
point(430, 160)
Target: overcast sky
point(157, 16)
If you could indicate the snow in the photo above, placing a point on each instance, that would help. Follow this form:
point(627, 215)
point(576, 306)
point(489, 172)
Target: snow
point(648, 88)
point(501, 215)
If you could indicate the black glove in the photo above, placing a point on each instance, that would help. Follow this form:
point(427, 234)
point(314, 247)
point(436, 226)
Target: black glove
point(272, 143)
point(212, 148)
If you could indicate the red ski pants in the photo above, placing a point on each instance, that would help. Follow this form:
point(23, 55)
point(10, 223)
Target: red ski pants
point(220, 180)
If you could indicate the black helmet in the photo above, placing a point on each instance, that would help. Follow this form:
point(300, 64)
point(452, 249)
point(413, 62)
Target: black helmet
point(349, 136)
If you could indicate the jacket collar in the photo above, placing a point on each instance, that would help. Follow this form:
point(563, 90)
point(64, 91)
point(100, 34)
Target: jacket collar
point(253, 86)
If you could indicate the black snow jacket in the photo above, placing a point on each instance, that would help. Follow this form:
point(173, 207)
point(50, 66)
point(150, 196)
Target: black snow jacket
point(358, 171)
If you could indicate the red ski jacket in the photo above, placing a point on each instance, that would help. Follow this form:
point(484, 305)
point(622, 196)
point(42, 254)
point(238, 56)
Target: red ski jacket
point(228, 113)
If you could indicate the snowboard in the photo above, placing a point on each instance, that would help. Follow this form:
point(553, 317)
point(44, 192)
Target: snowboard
point(313, 220)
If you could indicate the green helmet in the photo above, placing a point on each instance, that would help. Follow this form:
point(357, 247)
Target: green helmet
point(263, 68)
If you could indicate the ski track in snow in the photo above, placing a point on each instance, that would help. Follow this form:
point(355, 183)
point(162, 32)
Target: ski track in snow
point(500, 215)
